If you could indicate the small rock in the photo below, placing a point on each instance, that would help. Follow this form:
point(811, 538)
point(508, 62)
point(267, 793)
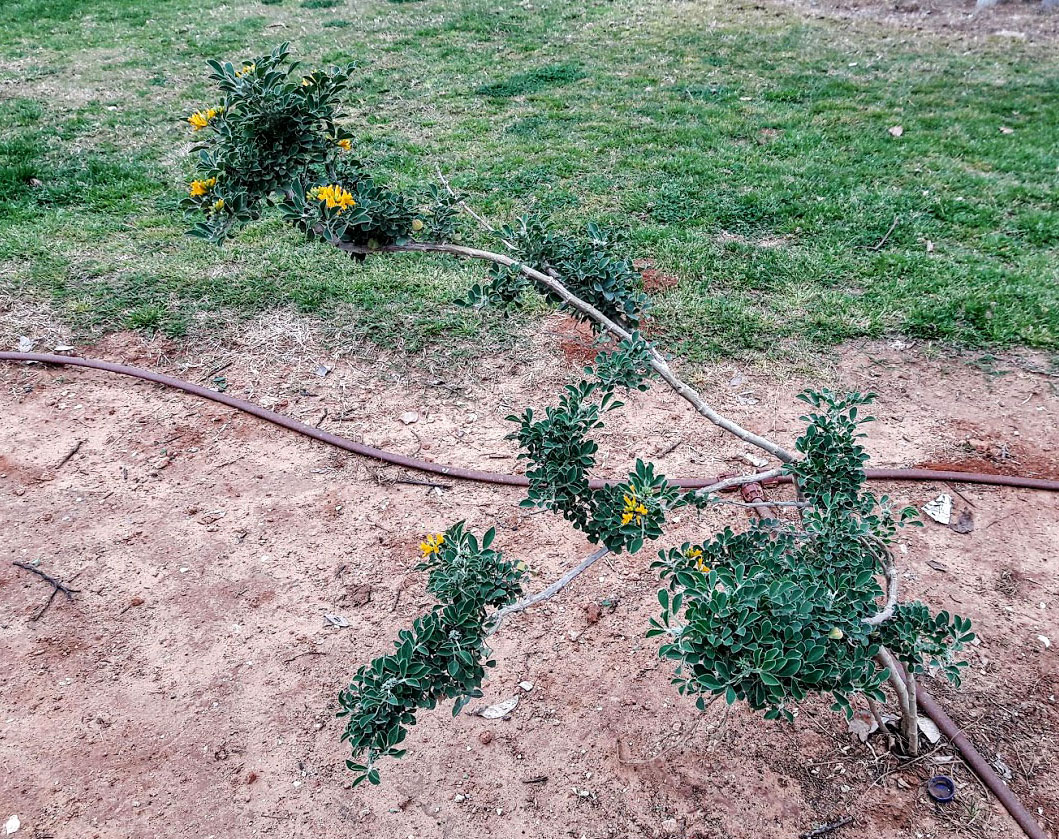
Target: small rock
point(408, 417)
point(485, 738)
point(500, 709)
point(526, 686)
point(360, 594)
point(670, 826)
point(1045, 641)
point(593, 613)
point(754, 460)
point(896, 130)
point(250, 778)
point(12, 825)
point(459, 798)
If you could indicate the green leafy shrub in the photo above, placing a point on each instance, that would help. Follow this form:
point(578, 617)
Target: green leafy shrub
point(769, 616)
point(780, 611)
point(443, 656)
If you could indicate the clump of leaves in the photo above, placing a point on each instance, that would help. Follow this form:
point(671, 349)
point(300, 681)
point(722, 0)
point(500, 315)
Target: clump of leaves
point(589, 264)
point(780, 611)
point(560, 454)
point(276, 138)
point(443, 656)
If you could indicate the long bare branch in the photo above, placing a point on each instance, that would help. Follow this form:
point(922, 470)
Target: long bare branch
point(886, 660)
point(658, 362)
point(739, 480)
point(550, 591)
point(891, 599)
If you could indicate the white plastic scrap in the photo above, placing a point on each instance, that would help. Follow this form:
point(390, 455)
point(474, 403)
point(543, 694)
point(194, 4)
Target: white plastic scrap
point(940, 509)
point(500, 709)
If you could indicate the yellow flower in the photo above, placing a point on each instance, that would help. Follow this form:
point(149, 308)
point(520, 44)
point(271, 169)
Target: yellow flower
point(306, 81)
point(218, 205)
point(247, 68)
point(200, 188)
point(634, 510)
point(333, 196)
point(432, 545)
point(200, 119)
point(346, 144)
point(696, 554)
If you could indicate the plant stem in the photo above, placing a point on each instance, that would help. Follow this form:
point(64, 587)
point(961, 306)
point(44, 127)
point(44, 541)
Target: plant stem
point(658, 363)
point(911, 721)
point(549, 592)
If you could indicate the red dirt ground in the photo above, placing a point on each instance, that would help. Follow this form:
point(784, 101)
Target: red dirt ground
point(189, 691)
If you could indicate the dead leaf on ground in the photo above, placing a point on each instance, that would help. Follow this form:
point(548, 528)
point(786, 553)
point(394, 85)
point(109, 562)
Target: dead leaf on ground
point(862, 723)
point(964, 522)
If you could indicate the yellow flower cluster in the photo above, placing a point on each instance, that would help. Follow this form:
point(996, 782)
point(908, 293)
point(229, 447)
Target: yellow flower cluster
point(200, 119)
point(218, 205)
point(696, 554)
point(432, 545)
point(346, 144)
point(200, 188)
point(247, 68)
point(333, 196)
point(634, 511)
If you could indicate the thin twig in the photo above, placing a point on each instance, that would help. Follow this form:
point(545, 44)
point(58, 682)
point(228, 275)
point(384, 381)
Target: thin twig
point(466, 207)
point(657, 361)
point(217, 370)
point(882, 241)
point(69, 454)
point(549, 592)
point(299, 655)
point(57, 586)
point(827, 828)
point(420, 483)
point(681, 739)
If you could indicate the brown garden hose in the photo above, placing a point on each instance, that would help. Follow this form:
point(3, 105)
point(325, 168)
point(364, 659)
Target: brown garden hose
point(477, 475)
point(979, 765)
point(1018, 812)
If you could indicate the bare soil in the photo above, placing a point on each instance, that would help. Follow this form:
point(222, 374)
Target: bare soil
point(1011, 21)
point(190, 689)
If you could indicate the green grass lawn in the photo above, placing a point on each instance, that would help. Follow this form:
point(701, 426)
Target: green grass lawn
point(744, 149)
